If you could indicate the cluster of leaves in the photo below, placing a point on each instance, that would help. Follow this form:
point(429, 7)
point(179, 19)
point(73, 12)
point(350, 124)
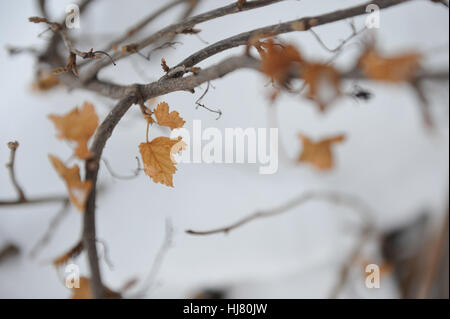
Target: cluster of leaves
point(157, 155)
point(283, 62)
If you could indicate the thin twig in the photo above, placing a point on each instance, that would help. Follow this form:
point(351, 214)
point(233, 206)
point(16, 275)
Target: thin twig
point(136, 172)
point(149, 282)
point(53, 225)
point(36, 200)
point(298, 25)
point(218, 111)
point(353, 258)
point(105, 255)
point(12, 175)
point(142, 24)
point(342, 199)
point(177, 28)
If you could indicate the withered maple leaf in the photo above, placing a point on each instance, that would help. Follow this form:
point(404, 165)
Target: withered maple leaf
point(278, 60)
point(319, 153)
point(78, 190)
point(84, 291)
point(78, 126)
point(164, 118)
point(395, 69)
point(324, 83)
point(157, 158)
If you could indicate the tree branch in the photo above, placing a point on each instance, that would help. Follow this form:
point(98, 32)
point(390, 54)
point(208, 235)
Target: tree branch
point(302, 24)
point(353, 202)
point(177, 28)
point(21, 198)
point(12, 157)
point(142, 24)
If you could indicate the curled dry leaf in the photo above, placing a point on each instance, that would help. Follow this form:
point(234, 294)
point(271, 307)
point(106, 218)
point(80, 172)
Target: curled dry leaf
point(323, 82)
point(70, 66)
point(73, 252)
point(78, 190)
point(157, 158)
point(85, 292)
point(78, 126)
point(164, 118)
point(278, 60)
point(396, 69)
point(164, 65)
point(319, 153)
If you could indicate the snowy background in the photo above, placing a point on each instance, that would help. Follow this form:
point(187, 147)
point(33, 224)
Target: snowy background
point(389, 160)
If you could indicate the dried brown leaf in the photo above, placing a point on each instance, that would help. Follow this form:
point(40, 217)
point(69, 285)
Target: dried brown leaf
point(78, 126)
point(78, 190)
point(323, 83)
point(319, 153)
point(164, 118)
point(157, 159)
point(395, 69)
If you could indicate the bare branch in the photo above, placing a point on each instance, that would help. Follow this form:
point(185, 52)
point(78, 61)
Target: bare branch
point(54, 223)
point(337, 198)
point(12, 174)
point(142, 24)
point(22, 199)
point(178, 28)
point(135, 174)
point(157, 262)
point(37, 200)
point(353, 258)
point(302, 24)
point(218, 111)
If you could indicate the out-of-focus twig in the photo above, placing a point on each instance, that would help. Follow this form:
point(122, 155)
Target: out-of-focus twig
point(351, 260)
point(13, 146)
point(53, 225)
point(157, 262)
point(8, 251)
point(434, 259)
point(337, 198)
point(21, 198)
point(135, 174)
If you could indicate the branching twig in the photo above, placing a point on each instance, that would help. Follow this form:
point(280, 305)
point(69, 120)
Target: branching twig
point(302, 24)
point(142, 24)
point(218, 111)
point(21, 198)
point(177, 81)
point(177, 28)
